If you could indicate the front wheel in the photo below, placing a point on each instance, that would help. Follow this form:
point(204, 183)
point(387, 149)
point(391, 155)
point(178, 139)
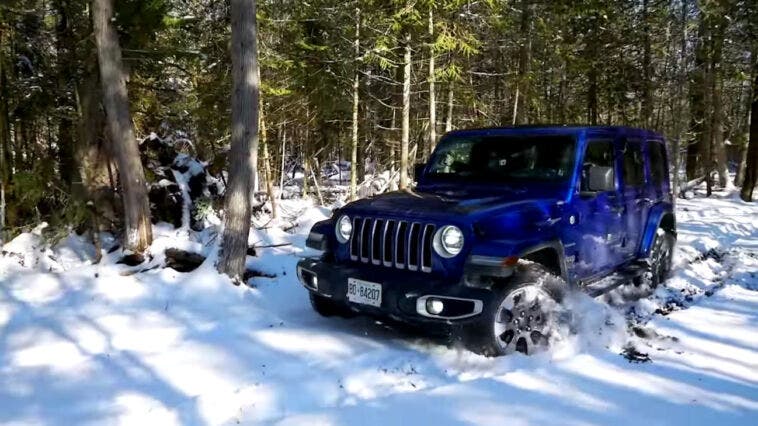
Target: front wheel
point(522, 318)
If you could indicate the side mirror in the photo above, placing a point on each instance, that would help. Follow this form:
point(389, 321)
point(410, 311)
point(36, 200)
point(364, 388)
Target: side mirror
point(418, 170)
point(601, 179)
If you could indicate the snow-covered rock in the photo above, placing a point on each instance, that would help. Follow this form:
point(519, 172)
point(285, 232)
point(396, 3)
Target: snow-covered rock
point(180, 183)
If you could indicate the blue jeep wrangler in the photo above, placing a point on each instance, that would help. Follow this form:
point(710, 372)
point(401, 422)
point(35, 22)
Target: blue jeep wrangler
point(501, 223)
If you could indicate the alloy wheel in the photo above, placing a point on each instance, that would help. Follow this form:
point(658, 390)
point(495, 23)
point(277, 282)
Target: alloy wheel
point(524, 321)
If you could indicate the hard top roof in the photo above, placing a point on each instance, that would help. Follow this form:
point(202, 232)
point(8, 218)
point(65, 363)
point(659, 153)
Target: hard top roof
point(527, 130)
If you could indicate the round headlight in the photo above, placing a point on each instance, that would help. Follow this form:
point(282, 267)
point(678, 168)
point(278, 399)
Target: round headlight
point(448, 241)
point(343, 229)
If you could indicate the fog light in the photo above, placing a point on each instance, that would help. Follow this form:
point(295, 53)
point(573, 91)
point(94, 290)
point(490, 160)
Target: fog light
point(434, 306)
point(308, 278)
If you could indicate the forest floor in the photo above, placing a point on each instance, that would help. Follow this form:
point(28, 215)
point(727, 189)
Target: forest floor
point(107, 343)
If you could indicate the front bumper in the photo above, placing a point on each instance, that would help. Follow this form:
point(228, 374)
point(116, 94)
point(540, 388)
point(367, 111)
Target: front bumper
point(404, 293)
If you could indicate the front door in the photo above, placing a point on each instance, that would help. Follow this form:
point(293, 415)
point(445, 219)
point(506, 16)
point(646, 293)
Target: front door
point(600, 229)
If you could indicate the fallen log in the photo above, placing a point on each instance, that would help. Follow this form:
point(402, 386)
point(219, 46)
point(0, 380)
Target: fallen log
point(690, 185)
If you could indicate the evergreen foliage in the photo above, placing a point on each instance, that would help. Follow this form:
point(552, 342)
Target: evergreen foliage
point(681, 67)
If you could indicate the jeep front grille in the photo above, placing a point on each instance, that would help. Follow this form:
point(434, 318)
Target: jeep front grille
point(394, 243)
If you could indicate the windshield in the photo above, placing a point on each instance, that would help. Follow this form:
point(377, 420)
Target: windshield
point(502, 158)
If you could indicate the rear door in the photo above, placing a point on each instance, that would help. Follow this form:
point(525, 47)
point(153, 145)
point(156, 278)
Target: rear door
point(635, 197)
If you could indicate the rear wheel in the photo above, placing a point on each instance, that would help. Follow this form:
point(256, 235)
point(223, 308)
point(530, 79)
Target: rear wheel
point(659, 265)
point(663, 258)
point(522, 318)
point(327, 307)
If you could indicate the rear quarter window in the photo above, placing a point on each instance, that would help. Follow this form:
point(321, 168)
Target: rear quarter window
point(657, 153)
point(634, 165)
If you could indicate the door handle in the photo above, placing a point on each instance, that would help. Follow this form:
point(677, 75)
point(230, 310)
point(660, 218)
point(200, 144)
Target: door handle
point(548, 222)
point(647, 201)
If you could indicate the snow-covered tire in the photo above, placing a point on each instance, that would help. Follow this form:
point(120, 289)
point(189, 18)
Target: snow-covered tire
point(523, 317)
point(664, 246)
point(658, 269)
point(328, 308)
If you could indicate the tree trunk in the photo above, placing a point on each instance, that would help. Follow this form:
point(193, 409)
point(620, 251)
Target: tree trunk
point(92, 154)
point(591, 55)
point(284, 155)
point(392, 145)
point(718, 150)
point(718, 147)
point(306, 149)
point(647, 101)
point(432, 94)
point(244, 140)
point(315, 180)
point(406, 119)
point(592, 90)
point(138, 231)
point(356, 86)
point(521, 98)
point(91, 150)
point(751, 163)
point(65, 44)
point(266, 157)
point(592, 114)
point(16, 161)
point(697, 107)
point(746, 100)
point(739, 176)
point(5, 137)
point(449, 117)
point(680, 65)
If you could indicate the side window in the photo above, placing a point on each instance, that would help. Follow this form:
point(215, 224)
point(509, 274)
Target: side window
point(657, 162)
point(598, 153)
point(634, 167)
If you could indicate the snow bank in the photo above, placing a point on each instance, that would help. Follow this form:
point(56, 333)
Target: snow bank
point(84, 343)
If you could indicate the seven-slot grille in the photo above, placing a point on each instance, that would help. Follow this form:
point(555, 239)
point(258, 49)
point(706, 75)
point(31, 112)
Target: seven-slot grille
point(389, 242)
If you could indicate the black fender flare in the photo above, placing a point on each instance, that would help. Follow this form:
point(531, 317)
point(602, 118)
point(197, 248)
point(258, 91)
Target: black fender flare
point(555, 245)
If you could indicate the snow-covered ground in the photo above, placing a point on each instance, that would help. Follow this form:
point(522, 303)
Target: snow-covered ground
point(106, 343)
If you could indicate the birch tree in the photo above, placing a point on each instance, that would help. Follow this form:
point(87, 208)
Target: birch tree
point(432, 94)
point(356, 100)
point(406, 116)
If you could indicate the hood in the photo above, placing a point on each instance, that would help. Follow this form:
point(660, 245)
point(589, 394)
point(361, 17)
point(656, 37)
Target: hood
point(442, 202)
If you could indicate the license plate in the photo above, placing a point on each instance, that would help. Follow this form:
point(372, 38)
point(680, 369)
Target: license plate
point(364, 292)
